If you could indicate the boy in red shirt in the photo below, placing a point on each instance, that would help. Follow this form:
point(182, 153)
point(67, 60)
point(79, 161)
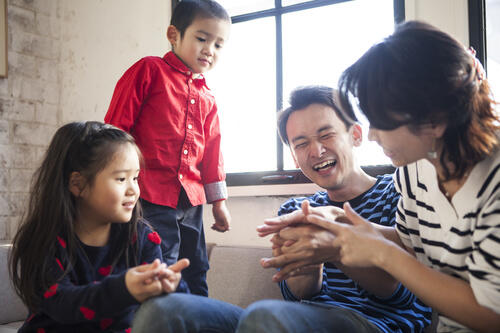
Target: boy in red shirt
point(165, 104)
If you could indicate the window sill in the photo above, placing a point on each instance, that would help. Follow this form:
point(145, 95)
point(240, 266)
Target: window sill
point(272, 190)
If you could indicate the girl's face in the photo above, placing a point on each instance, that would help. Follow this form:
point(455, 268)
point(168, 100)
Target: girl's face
point(403, 146)
point(112, 196)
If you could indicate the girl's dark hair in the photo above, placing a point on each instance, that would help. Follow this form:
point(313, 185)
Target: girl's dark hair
point(187, 10)
point(421, 75)
point(85, 147)
point(302, 97)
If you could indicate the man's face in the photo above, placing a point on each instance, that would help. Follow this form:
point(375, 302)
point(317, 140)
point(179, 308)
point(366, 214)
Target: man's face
point(321, 145)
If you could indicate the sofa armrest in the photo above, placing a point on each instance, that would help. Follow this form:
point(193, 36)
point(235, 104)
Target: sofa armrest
point(11, 309)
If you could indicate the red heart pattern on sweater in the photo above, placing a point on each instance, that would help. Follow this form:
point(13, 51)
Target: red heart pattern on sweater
point(87, 313)
point(128, 330)
point(40, 330)
point(154, 237)
point(61, 241)
point(105, 323)
point(51, 291)
point(60, 265)
point(104, 271)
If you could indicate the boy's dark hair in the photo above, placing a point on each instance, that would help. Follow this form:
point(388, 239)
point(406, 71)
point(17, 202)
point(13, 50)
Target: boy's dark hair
point(187, 10)
point(85, 147)
point(302, 97)
point(421, 75)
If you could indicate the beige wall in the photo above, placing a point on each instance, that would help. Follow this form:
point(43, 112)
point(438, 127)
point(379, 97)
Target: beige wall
point(29, 101)
point(101, 39)
point(65, 57)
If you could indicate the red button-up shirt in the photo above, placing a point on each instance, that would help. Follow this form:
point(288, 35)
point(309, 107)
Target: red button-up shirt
point(173, 117)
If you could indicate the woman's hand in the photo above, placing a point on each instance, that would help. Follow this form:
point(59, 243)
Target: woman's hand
point(359, 242)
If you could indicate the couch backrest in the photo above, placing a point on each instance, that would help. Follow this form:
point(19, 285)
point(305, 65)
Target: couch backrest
point(236, 276)
point(11, 307)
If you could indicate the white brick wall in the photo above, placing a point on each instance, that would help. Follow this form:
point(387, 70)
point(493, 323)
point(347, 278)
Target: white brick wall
point(29, 102)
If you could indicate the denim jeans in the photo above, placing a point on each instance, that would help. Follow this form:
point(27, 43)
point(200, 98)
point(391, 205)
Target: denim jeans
point(182, 234)
point(274, 316)
point(186, 313)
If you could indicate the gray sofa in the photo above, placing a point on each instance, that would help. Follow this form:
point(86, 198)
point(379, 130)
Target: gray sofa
point(235, 276)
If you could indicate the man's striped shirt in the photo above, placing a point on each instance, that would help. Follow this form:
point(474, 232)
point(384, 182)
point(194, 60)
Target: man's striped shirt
point(402, 312)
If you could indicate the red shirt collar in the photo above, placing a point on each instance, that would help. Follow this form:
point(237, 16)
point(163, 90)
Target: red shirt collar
point(174, 61)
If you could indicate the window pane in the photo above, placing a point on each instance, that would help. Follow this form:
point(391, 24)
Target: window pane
point(238, 7)
point(319, 43)
point(243, 83)
point(493, 45)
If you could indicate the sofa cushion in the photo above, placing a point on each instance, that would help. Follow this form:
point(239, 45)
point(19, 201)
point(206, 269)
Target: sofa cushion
point(11, 327)
point(12, 308)
point(236, 276)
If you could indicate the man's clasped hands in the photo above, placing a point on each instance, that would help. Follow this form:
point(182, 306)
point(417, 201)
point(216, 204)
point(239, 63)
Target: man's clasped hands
point(307, 238)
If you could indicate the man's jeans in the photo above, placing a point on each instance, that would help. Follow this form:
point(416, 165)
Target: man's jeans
point(292, 317)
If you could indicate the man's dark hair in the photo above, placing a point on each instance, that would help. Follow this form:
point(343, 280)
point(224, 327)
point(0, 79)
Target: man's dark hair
point(187, 10)
point(302, 97)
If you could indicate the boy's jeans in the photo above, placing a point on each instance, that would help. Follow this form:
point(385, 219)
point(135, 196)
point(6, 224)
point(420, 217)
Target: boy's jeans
point(182, 235)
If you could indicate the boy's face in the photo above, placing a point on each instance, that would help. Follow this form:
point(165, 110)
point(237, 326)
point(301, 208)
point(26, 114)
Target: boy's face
point(201, 44)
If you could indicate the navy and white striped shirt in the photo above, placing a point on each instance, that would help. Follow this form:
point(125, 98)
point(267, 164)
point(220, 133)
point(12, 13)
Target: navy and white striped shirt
point(460, 238)
point(401, 312)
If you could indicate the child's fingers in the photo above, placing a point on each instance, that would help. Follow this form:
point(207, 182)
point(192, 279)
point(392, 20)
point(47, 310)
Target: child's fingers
point(180, 265)
point(151, 274)
point(166, 274)
point(147, 267)
point(153, 289)
point(168, 286)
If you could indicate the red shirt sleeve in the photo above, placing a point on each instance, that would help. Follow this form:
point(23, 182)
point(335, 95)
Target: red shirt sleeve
point(130, 92)
point(213, 165)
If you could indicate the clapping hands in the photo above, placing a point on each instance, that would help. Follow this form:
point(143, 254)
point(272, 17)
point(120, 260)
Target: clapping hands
point(153, 279)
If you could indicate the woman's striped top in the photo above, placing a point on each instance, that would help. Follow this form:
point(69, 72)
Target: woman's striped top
point(460, 238)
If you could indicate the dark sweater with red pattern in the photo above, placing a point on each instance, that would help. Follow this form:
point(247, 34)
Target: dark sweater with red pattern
point(92, 296)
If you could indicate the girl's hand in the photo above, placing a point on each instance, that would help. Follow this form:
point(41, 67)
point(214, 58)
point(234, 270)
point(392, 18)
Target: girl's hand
point(359, 242)
point(142, 281)
point(172, 276)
